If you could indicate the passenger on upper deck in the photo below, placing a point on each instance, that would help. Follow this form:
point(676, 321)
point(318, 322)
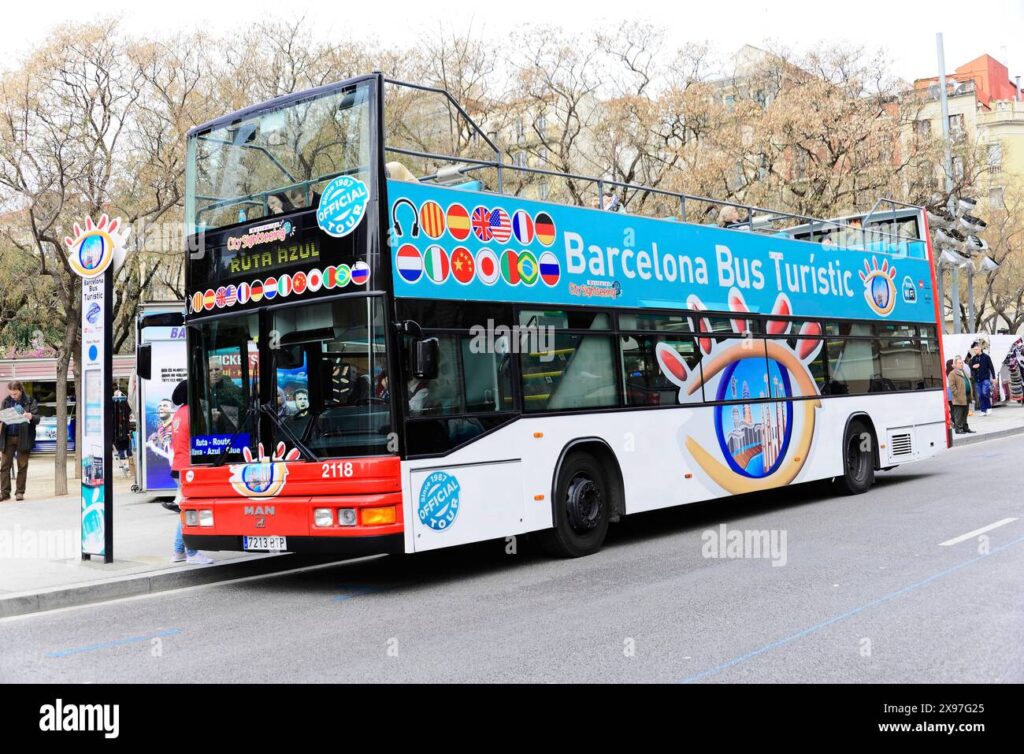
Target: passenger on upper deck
point(278, 204)
point(729, 217)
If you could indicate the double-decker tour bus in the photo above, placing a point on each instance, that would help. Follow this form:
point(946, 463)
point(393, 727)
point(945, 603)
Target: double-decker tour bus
point(386, 362)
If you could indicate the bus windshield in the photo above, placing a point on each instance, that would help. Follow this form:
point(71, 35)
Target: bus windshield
point(278, 160)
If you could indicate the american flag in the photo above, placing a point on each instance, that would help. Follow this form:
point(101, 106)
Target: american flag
point(482, 224)
point(501, 225)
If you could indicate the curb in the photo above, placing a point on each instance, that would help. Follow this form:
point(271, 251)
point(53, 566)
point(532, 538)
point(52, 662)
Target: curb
point(998, 435)
point(153, 582)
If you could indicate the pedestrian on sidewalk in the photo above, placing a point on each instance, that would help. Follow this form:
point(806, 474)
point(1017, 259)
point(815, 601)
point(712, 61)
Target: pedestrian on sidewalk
point(984, 373)
point(180, 457)
point(17, 438)
point(960, 387)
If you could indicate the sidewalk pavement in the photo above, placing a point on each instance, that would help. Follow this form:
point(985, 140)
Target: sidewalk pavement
point(1006, 419)
point(40, 552)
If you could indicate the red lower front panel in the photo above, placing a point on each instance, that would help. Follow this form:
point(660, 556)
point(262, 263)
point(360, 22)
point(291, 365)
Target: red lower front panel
point(279, 498)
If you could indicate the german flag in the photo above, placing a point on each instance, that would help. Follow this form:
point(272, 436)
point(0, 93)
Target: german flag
point(256, 291)
point(458, 222)
point(545, 228)
point(432, 219)
point(510, 266)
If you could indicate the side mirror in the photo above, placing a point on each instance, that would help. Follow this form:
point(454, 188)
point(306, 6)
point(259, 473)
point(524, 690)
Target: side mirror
point(425, 358)
point(144, 368)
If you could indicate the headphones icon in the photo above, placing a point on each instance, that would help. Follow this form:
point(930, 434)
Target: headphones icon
point(415, 217)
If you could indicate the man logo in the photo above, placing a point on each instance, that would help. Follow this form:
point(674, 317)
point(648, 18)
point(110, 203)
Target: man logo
point(763, 443)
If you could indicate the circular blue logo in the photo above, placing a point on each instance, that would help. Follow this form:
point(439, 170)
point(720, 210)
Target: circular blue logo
point(94, 353)
point(90, 252)
point(342, 206)
point(880, 291)
point(439, 501)
point(754, 437)
point(258, 477)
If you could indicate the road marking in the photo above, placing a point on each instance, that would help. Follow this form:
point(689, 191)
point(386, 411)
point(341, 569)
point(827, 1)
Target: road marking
point(115, 643)
point(976, 532)
point(848, 614)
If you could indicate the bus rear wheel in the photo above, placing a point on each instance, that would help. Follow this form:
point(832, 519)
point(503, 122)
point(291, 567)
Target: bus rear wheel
point(582, 507)
point(858, 460)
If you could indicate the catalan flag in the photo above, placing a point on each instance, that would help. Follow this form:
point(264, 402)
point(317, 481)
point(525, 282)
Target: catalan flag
point(432, 219)
point(458, 222)
point(545, 228)
point(197, 301)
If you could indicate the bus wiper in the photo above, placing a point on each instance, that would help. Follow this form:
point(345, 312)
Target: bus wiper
point(223, 455)
point(266, 409)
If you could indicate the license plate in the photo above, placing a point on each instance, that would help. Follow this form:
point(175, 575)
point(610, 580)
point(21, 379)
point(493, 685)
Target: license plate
point(274, 544)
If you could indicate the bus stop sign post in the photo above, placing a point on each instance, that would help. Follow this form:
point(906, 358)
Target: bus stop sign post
point(94, 251)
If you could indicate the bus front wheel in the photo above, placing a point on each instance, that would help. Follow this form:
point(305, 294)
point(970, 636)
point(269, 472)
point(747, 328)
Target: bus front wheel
point(581, 509)
point(858, 460)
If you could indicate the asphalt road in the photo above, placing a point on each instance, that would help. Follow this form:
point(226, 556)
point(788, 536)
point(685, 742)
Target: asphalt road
point(866, 592)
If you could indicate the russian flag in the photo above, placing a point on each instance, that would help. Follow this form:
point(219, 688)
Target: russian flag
point(361, 272)
point(409, 263)
point(550, 270)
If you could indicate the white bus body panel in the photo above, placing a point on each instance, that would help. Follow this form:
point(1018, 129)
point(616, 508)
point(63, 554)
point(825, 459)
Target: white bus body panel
point(658, 452)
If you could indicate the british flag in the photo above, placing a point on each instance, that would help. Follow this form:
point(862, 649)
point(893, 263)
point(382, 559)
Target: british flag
point(482, 224)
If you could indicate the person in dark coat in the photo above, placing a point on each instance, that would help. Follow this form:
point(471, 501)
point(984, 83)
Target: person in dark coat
point(17, 438)
point(983, 374)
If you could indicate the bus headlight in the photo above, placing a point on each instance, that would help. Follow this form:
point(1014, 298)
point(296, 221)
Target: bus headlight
point(346, 516)
point(206, 517)
point(323, 517)
point(191, 518)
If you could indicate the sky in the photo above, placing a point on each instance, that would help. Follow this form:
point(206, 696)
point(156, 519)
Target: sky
point(905, 30)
